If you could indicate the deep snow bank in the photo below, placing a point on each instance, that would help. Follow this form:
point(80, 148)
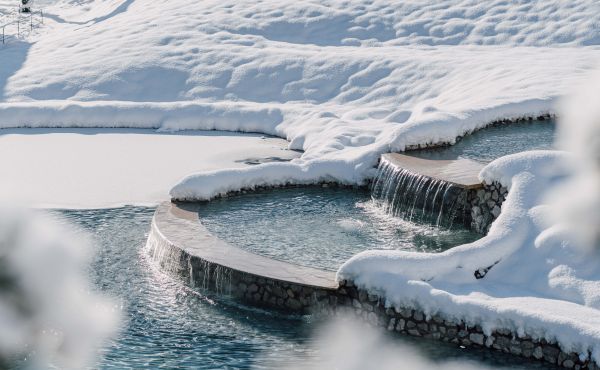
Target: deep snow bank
point(344, 81)
point(539, 284)
point(542, 268)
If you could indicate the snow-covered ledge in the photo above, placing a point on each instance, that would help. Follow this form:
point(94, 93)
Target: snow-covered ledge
point(536, 284)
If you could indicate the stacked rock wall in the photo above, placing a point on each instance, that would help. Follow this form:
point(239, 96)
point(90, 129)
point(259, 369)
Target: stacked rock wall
point(254, 289)
point(410, 321)
point(349, 299)
point(486, 204)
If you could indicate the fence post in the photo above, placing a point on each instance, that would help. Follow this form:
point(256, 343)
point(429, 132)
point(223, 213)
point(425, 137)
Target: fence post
point(31, 21)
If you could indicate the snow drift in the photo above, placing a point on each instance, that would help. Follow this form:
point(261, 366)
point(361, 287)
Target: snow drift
point(343, 81)
point(543, 277)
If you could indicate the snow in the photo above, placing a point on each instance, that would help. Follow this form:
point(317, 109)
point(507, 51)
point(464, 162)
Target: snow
point(541, 253)
point(344, 81)
point(96, 168)
point(539, 284)
point(48, 312)
point(580, 210)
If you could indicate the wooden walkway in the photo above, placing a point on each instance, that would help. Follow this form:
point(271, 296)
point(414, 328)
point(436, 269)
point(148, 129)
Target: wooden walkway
point(460, 172)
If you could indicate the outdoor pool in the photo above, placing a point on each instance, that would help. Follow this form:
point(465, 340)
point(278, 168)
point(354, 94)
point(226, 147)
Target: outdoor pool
point(320, 227)
point(497, 141)
point(168, 325)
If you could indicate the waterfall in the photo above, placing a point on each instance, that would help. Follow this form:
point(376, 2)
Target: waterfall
point(163, 254)
point(414, 197)
point(199, 273)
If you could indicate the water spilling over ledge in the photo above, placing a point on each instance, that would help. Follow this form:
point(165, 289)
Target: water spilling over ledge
point(426, 190)
point(181, 245)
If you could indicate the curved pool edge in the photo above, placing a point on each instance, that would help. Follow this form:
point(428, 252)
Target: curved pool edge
point(180, 244)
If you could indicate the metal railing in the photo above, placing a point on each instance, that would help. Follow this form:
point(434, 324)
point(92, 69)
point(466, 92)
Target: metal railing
point(19, 18)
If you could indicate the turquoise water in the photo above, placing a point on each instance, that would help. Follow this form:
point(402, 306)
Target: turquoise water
point(320, 227)
point(170, 326)
point(497, 141)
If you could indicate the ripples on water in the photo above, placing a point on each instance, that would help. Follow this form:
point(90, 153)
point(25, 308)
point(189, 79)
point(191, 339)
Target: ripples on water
point(168, 325)
point(319, 227)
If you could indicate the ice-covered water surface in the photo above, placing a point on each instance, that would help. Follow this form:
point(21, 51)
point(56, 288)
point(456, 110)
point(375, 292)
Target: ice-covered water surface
point(497, 141)
point(170, 326)
point(319, 227)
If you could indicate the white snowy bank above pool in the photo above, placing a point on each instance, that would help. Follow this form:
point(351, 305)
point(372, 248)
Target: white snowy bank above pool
point(539, 282)
point(343, 81)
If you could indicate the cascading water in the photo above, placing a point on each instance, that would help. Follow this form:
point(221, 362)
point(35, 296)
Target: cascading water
point(413, 197)
point(159, 251)
point(201, 274)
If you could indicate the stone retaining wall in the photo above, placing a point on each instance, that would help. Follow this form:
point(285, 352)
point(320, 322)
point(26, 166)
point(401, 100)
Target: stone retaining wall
point(485, 204)
point(500, 122)
point(264, 292)
point(250, 288)
point(322, 184)
point(344, 298)
point(409, 321)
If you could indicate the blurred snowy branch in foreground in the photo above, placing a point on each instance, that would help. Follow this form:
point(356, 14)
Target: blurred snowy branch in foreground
point(345, 344)
point(577, 203)
point(48, 315)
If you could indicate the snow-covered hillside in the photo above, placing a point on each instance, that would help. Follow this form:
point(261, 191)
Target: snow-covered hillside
point(342, 80)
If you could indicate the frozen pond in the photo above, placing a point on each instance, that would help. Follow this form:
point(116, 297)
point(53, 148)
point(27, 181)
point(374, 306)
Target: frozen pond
point(99, 168)
point(171, 326)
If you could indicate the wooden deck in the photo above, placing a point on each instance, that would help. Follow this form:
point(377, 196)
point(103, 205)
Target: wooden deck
point(460, 172)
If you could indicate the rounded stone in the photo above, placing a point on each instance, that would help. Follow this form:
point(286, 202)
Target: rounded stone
point(372, 318)
point(496, 211)
point(391, 324)
point(418, 316)
point(477, 338)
